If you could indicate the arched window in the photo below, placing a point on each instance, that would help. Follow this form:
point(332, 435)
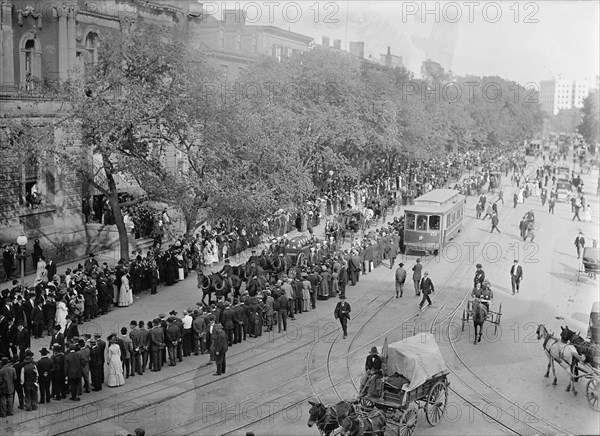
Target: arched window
point(31, 61)
point(91, 47)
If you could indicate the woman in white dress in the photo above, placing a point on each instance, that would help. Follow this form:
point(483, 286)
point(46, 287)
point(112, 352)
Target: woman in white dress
point(520, 196)
point(125, 294)
point(41, 272)
point(587, 214)
point(215, 251)
point(115, 366)
point(61, 314)
point(208, 255)
point(180, 270)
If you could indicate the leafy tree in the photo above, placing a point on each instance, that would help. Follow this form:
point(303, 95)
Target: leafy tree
point(590, 124)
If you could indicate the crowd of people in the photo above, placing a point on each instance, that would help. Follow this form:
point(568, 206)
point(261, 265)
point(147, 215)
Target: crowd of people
point(57, 303)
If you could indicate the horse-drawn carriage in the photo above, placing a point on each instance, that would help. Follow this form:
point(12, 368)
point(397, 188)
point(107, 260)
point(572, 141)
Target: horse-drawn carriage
point(590, 262)
point(298, 249)
point(414, 378)
point(347, 222)
point(479, 309)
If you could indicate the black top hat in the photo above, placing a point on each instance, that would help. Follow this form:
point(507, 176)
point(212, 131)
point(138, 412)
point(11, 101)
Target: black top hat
point(44, 352)
point(373, 350)
point(478, 265)
point(342, 297)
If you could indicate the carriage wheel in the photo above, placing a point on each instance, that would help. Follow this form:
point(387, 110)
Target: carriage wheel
point(498, 315)
point(464, 319)
point(592, 393)
point(366, 402)
point(408, 422)
point(301, 260)
point(437, 398)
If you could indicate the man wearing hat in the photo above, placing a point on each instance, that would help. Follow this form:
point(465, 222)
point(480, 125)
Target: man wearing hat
point(22, 340)
point(71, 329)
point(29, 380)
point(157, 345)
point(74, 363)
point(342, 313)
point(516, 275)
point(8, 379)
point(59, 387)
point(172, 338)
point(228, 318)
point(400, 279)
point(427, 288)
point(479, 275)
point(96, 365)
point(373, 366)
point(45, 367)
point(136, 343)
point(219, 348)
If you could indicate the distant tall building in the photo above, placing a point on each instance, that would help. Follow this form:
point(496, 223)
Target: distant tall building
point(558, 94)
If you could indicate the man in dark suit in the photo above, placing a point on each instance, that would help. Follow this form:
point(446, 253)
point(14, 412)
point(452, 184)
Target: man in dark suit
point(516, 275)
point(172, 338)
point(342, 313)
point(28, 306)
point(145, 342)
point(58, 338)
point(427, 288)
point(157, 344)
point(343, 278)
point(219, 348)
point(45, 368)
point(51, 268)
point(23, 340)
point(229, 322)
point(59, 390)
point(4, 326)
point(8, 380)
point(71, 329)
point(102, 345)
point(37, 320)
point(7, 309)
point(74, 372)
point(96, 365)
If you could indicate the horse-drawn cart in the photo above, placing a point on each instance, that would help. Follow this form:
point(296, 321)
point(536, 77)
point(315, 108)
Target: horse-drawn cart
point(415, 377)
point(299, 249)
point(482, 301)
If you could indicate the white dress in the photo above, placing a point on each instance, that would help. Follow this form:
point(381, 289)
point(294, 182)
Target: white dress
point(215, 251)
point(125, 294)
point(520, 196)
point(41, 273)
point(180, 269)
point(61, 315)
point(115, 366)
point(587, 215)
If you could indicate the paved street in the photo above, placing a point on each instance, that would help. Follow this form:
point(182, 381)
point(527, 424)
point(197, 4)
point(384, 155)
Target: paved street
point(496, 386)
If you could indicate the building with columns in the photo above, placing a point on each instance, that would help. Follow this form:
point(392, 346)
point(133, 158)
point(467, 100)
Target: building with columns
point(47, 42)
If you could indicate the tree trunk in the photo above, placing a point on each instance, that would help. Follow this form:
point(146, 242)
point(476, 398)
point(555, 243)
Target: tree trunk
point(113, 197)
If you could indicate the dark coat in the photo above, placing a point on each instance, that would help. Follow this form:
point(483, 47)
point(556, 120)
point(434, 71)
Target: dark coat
point(71, 331)
point(96, 357)
point(218, 340)
point(426, 286)
point(157, 339)
point(228, 318)
point(45, 368)
point(8, 380)
point(74, 364)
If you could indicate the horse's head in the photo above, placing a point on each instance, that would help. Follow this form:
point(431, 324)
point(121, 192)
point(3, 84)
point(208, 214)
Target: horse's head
point(541, 331)
point(316, 413)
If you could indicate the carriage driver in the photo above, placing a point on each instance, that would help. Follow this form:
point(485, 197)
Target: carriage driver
point(479, 275)
point(372, 372)
point(486, 294)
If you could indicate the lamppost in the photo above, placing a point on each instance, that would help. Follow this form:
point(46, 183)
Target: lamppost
point(22, 241)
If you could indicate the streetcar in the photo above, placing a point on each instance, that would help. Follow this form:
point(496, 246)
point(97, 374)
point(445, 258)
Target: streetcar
point(434, 219)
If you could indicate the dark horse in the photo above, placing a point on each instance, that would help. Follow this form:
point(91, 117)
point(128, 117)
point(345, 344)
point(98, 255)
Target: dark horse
point(205, 285)
point(590, 350)
point(223, 285)
point(480, 313)
point(373, 423)
point(327, 418)
point(256, 284)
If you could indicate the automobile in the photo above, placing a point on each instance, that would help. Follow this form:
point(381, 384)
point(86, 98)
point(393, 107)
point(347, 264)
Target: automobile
point(563, 190)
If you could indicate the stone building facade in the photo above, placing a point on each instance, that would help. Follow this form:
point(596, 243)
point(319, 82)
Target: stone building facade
point(43, 43)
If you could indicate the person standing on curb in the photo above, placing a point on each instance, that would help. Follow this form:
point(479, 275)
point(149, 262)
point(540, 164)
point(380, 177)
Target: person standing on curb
point(579, 244)
point(400, 279)
point(342, 312)
point(417, 277)
point(219, 348)
point(516, 275)
point(427, 288)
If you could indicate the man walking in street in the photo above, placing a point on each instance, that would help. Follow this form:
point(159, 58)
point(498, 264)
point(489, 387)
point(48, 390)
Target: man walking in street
point(551, 204)
point(400, 279)
point(501, 195)
point(516, 275)
point(494, 223)
point(579, 244)
point(426, 288)
point(342, 313)
point(576, 207)
point(417, 277)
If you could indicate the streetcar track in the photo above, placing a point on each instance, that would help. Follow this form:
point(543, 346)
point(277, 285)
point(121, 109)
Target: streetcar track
point(329, 361)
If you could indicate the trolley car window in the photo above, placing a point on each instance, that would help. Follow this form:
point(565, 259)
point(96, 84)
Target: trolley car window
point(410, 221)
point(422, 222)
point(434, 222)
point(447, 221)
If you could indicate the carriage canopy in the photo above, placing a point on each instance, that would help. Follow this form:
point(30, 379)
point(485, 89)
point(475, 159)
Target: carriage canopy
point(418, 358)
